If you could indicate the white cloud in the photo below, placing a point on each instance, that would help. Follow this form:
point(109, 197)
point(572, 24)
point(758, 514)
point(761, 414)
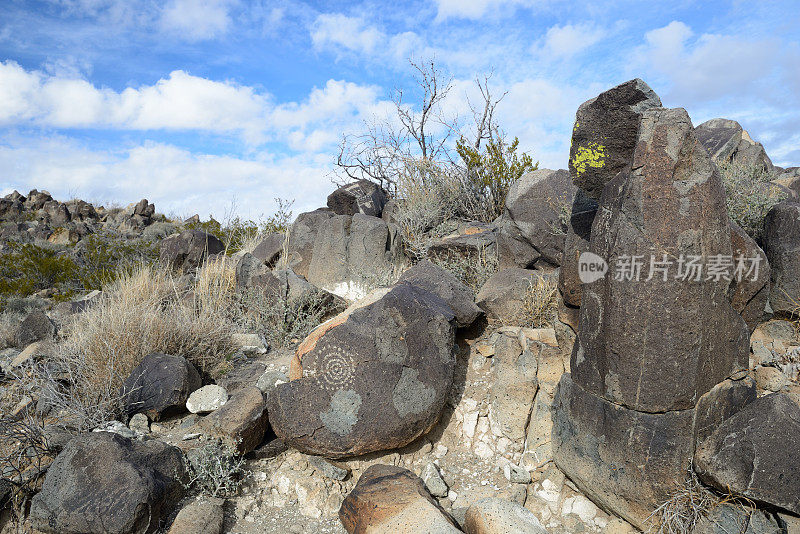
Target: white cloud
point(709, 66)
point(185, 102)
point(342, 32)
point(565, 41)
point(176, 180)
point(196, 20)
point(474, 9)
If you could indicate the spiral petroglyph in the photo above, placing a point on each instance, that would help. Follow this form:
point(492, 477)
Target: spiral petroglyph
point(336, 368)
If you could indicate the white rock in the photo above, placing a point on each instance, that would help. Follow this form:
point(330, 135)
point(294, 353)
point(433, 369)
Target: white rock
point(483, 451)
point(117, 427)
point(207, 399)
point(433, 481)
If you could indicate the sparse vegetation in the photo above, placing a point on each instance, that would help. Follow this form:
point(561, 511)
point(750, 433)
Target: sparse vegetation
point(472, 269)
point(282, 319)
point(750, 196)
point(681, 512)
point(143, 311)
point(26, 268)
point(215, 470)
point(540, 303)
point(24, 458)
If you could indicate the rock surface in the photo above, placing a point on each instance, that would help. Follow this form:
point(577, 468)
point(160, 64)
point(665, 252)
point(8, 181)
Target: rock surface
point(533, 225)
point(361, 196)
point(726, 141)
point(498, 516)
point(390, 499)
point(605, 134)
point(102, 482)
point(750, 294)
point(503, 295)
point(737, 519)
point(782, 247)
point(189, 249)
point(372, 378)
point(657, 345)
point(748, 453)
point(443, 284)
point(207, 399)
point(202, 516)
point(241, 422)
point(159, 386)
point(36, 326)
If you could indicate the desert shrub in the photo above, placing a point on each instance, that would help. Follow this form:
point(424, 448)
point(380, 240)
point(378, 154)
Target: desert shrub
point(215, 470)
point(283, 320)
point(749, 195)
point(239, 234)
point(143, 311)
point(490, 172)
point(473, 269)
point(104, 257)
point(26, 268)
point(24, 458)
point(540, 303)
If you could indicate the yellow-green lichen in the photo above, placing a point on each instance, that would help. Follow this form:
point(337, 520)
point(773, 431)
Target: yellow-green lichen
point(591, 155)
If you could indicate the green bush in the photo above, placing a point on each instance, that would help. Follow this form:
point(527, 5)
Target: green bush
point(26, 268)
point(491, 172)
point(103, 258)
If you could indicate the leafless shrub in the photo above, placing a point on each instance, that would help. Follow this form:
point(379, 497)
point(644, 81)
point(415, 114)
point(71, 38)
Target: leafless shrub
point(540, 304)
point(215, 470)
point(750, 195)
point(284, 319)
point(25, 456)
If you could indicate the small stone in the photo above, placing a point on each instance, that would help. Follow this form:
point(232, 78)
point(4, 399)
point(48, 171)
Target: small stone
point(270, 380)
point(440, 451)
point(770, 379)
point(116, 427)
point(328, 469)
point(496, 516)
point(199, 517)
point(434, 481)
point(139, 423)
point(189, 437)
point(516, 474)
point(207, 399)
point(250, 343)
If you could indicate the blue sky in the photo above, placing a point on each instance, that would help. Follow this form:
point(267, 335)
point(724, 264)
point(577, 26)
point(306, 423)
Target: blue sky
point(201, 105)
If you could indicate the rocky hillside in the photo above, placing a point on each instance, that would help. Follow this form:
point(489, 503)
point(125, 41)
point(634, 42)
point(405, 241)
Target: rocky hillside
point(617, 352)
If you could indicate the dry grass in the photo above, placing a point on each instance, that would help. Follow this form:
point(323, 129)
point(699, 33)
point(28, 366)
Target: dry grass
point(540, 304)
point(681, 512)
point(144, 311)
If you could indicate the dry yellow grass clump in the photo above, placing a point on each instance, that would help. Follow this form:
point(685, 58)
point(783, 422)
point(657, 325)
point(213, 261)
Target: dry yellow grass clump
point(540, 305)
point(144, 311)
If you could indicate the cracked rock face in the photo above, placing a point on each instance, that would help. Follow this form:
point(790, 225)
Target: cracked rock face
point(657, 345)
point(373, 378)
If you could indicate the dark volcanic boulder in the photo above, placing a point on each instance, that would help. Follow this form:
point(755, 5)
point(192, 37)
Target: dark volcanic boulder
point(373, 378)
point(626, 461)
point(533, 225)
point(102, 482)
point(782, 246)
point(392, 499)
point(604, 134)
point(241, 422)
point(189, 249)
point(354, 253)
point(159, 386)
point(436, 280)
point(750, 294)
point(302, 236)
point(736, 518)
point(270, 248)
point(576, 242)
point(362, 196)
point(37, 326)
point(726, 141)
point(754, 453)
point(658, 344)
point(503, 295)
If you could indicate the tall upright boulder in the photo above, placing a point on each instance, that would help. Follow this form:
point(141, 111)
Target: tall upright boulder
point(782, 246)
point(361, 196)
point(605, 134)
point(655, 337)
point(659, 344)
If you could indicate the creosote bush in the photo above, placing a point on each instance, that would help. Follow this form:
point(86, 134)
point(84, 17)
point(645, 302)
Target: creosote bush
point(472, 269)
point(281, 319)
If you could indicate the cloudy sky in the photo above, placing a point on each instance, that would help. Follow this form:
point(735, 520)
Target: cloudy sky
point(199, 105)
